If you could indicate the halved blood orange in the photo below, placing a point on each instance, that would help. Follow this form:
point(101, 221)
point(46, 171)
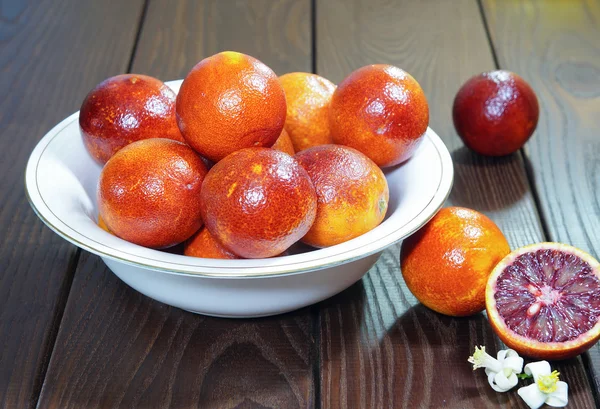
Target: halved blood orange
point(543, 301)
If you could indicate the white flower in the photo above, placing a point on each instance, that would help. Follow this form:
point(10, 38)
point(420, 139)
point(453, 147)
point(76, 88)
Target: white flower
point(546, 387)
point(501, 372)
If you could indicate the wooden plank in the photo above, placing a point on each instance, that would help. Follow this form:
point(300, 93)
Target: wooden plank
point(379, 347)
point(555, 46)
point(275, 32)
point(117, 348)
point(53, 53)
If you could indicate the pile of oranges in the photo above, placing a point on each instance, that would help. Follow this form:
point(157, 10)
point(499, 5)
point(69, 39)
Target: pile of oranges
point(242, 163)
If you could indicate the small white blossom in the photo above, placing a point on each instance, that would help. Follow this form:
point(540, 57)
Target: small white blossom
point(501, 372)
point(546, 387)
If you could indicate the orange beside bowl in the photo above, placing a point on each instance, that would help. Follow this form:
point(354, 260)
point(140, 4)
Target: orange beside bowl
point(446, 264)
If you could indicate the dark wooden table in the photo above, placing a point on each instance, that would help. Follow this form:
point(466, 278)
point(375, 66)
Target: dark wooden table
point(72, 335)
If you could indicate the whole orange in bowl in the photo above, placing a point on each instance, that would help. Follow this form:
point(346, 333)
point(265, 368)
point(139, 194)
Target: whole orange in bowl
point(352, 193)
point(205, 245)
point(257, 202)
point(495, 113)
point(149, 192)
point(308, 98)
point(446, 264)
point(228, 102)
point(543, 300)
point(124, 109)
point(381, 111)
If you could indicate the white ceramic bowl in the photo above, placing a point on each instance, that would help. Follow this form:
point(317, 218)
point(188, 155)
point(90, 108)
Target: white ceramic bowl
point(61, 181)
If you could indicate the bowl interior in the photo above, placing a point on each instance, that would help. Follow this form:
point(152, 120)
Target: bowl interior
point(61, 179)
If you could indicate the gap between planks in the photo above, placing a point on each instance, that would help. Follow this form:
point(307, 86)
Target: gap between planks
point(65, 291)
point(536, 197)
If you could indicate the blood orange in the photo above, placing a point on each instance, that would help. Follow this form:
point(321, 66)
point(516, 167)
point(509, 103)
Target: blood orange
point(149, 192)
point(124, 109)
point(381, 111)
point(205, 245)
point(495, 113)
point(228, 102)
point(257, 202)
point(543, 301)
point(352, 193)
point(308, 97)
point(447, 262)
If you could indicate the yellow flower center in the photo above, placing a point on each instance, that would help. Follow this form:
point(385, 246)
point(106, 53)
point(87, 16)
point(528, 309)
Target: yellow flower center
point(478, 357)
point(547, 383)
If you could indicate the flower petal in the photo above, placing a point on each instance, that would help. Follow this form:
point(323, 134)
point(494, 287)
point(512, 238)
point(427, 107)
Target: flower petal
point(533, 397)
point(502, 354)
point(505, 383)
point(500, 383)
point(560, 397)
point(537, 368)
point(514, 362)
point(495, 387)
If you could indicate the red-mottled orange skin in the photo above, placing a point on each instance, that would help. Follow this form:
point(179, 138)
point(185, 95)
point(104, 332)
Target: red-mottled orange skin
point(257, 202)
point(308, 98)
point(149, 192)
point(381, 111)
point(205, 245)
point(495, 113)
point(447, 262)
point(124, 109)
point(228, 102)
point(284, 143)
point(352, 193)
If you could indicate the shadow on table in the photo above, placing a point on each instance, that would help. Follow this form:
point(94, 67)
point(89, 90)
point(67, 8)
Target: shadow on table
point(435, 349)
point(376, 346)
point(487, 183)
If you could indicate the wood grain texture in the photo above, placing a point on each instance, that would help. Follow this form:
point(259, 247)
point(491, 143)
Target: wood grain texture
point(379, 347)
point(51, 54)
point(555, 46)
point(176, 35)
point(117, 348)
